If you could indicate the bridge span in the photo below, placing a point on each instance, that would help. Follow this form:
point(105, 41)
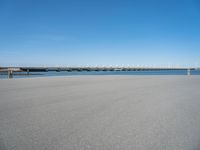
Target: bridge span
point(27, 70)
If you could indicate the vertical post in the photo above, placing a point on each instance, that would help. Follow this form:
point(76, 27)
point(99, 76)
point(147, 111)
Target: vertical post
point(10, 74)
point(188, 71)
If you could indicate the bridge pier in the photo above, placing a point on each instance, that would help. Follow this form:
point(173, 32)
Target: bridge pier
point(188, 72)
point(10, 74)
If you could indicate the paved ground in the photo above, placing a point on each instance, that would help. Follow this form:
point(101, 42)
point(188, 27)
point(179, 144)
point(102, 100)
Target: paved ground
point(100, 113)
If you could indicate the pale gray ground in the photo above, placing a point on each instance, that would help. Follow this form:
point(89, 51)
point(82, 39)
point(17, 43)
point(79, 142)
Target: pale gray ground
point(100, 113)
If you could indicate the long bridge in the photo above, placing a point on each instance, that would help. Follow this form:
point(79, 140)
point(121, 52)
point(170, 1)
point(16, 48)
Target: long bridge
point(11, 70)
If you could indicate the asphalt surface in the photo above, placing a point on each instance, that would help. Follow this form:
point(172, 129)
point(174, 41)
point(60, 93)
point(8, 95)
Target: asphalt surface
point(100, 113)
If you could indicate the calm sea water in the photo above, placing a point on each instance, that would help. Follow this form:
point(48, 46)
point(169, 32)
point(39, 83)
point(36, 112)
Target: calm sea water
point(65, 73)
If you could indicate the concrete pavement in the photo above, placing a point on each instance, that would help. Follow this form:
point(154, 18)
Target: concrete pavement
point(100, 113)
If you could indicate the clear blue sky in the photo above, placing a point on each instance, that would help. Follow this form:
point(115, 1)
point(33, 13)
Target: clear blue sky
point(99, 32)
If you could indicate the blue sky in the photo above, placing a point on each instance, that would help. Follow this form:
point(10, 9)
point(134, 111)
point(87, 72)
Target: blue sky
point(99, 32)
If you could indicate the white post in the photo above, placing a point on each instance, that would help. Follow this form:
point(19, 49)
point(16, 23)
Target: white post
point(188, 72)
point(10, 74)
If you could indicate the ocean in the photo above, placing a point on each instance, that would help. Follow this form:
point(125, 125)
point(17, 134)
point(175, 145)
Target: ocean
point(76, 73)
